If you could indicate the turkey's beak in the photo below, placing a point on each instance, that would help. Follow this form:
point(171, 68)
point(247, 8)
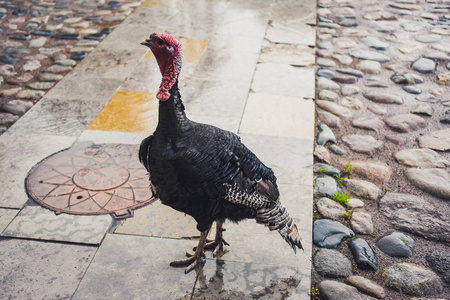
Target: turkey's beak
point(145, 43)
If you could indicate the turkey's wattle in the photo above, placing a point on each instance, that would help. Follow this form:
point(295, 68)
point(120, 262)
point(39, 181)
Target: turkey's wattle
point(204, 171)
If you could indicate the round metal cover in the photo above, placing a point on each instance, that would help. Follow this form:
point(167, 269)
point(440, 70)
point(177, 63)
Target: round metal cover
point(91, 179)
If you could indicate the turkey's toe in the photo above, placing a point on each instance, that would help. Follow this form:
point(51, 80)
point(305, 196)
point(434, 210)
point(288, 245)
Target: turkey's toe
point(192, 261)
point(216, 245)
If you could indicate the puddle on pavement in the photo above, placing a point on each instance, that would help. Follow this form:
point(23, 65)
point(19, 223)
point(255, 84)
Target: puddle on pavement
point(236, 280)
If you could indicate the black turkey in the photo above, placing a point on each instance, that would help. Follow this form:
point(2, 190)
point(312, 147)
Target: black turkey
point(204, 171)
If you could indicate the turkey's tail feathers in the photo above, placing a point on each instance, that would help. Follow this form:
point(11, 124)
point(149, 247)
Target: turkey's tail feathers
point(276, 217)
point(268, 212)
point(293, 239)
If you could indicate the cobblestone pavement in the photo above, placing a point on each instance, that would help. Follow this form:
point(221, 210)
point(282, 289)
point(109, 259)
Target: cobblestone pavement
point(247, 67)
point(43, 41)
point(383, 139)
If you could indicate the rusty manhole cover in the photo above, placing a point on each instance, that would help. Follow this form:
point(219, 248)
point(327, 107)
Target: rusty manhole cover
point(90, 179)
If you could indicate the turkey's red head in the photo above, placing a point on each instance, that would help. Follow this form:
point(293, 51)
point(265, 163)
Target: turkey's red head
point(167, 51)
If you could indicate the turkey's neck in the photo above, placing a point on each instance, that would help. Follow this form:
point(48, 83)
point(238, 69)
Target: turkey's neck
point(172, 118)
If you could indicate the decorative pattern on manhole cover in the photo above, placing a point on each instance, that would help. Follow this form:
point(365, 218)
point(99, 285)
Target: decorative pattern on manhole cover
point(90, 179)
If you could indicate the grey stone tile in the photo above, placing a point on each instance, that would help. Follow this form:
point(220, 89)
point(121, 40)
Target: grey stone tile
point(36, 222)
point(136, 268)
point(298, 199)
point(215, 97)
point(87, 87)
point(127, 37)
point(283, 79)
point(42, 270)
point(58, 117)
point(105, 137)
point(243, 22)
point(262, 6)
point(291, 32)
point(109, 63)
point(290, 158)
point(18, 154)
point(150, 16)
point(303, 12)
point(191, 19)
point(6, 216)
point(235, 45)
point(278, 116)
point(236, 280)
point(295, 55)
point(224, 65)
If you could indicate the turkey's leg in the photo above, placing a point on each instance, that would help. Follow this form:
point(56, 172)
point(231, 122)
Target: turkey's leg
point(194, 259)
point(217, 244)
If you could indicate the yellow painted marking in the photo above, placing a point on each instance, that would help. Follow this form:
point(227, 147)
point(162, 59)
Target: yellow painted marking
point(163, 3)
point(192, 49)
point(128, 111)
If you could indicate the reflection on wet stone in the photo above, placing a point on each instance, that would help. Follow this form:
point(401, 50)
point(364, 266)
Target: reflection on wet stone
point(234, 280)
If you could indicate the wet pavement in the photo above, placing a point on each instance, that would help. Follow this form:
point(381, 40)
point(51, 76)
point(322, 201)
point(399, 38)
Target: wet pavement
point(74, 76)
point(247, 67)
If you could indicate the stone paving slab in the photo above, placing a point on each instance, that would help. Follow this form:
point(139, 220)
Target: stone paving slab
point(136, 268)
point(294, 117)
point(218, 98)
point(36, 222)
point(293, 33)
point(225, 66)
point(283, 79)
point(32, 148)
point(42, 270)
point(242, 22)
point(292, 163)
point(294, 55)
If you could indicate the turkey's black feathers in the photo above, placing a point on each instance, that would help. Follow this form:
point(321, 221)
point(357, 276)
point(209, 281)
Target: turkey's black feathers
point(192, 166)
point(189, 163)
point(144, 150)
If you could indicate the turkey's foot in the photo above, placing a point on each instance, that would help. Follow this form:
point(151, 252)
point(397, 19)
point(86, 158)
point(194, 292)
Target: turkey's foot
point(195, 259)
point(217, 244)
point(192, 261)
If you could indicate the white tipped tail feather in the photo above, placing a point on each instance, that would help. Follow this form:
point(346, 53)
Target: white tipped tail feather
point(268, 212)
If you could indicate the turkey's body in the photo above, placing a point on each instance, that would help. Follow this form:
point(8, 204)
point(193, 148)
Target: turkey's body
point(191, 165)
point(204, 171)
